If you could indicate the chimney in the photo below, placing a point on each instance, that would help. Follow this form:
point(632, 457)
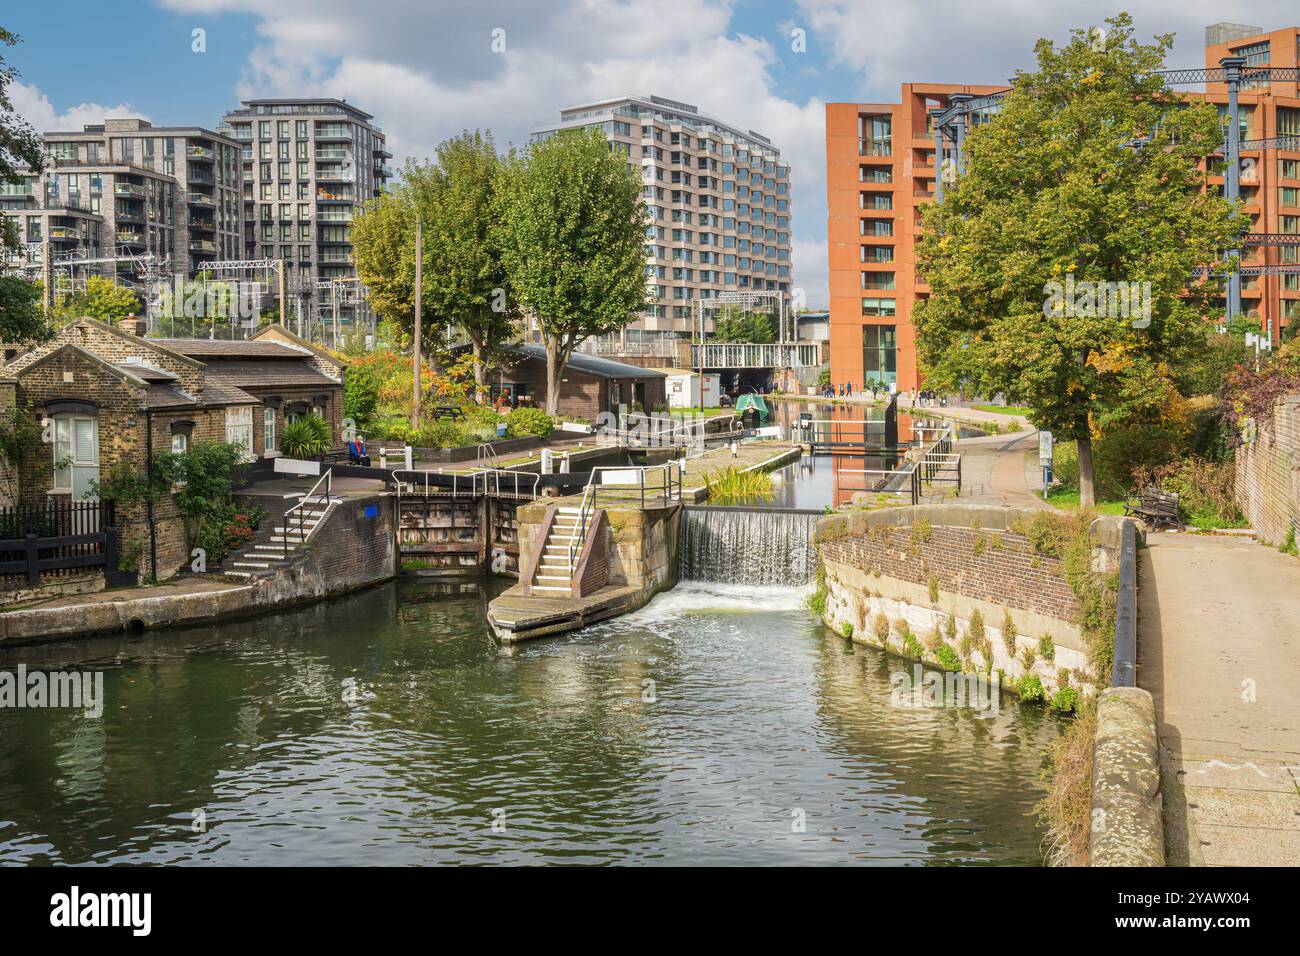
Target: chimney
point(131, 325)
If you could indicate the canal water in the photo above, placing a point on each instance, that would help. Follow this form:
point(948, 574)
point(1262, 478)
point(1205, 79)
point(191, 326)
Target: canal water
point(721, 724)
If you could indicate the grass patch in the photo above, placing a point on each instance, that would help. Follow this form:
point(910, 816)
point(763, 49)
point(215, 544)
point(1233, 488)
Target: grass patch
point(1004, 409)
point(1069, 499)
point(1066, 811)
point(732, 486)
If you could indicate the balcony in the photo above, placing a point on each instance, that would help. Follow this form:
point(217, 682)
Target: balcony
point(875, 147)
point(129, 190)
point(334, 131)
point(200, 176)
point(206, 225)
point(203, 246)
point(337, 173)
point(64, 234)
point(200, 199)
point(201, 153)
point(326, 153)
point(334, 215)
point(127, 237)
point(385, 172)
point(336, 256)
point(333, 195)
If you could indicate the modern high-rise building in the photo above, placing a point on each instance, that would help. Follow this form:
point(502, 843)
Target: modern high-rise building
point(718, 199)
point(309, 166)
point(126, 187)
point(1270, 178)
point(881, 170)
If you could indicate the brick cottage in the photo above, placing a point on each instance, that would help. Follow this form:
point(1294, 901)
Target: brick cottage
point(112, 395)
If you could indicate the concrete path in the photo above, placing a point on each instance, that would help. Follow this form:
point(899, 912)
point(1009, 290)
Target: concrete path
point(1219, 649)
point(993, 470)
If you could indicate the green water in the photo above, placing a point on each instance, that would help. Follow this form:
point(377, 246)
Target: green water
point(389, 727)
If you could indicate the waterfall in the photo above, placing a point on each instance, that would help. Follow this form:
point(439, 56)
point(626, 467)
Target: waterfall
point(747, 546)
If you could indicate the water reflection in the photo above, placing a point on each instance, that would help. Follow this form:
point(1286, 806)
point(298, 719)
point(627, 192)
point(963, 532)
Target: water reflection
point(389, 727)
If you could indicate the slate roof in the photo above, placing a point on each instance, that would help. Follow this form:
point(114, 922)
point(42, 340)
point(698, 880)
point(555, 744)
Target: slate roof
point(164, 396)
point(233, 348)
point(266, 374)
point(591, 364)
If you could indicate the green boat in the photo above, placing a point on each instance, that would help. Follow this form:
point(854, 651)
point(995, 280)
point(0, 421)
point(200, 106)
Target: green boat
point(745, 402)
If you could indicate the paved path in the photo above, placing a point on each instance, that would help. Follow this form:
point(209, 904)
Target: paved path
point(993, 470)
point(1219, 648)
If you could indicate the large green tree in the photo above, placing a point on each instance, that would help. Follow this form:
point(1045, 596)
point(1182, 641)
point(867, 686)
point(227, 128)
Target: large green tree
point(1089, 174)
point(22, 316)
point(20, 145)
point(463, 282)
point(571, 229)
point(101, 299)
point(734, 324)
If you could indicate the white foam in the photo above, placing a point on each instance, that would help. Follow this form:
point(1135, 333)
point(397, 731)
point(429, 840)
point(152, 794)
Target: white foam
point(697, 597)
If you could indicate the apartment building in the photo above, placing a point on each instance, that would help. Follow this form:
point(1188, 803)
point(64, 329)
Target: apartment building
point(1270, 178)
point(126, 187)
point(880, 170)
point(308, 167)
point(718, 198)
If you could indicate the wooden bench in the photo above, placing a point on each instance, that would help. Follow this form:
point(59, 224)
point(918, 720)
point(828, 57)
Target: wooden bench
point(447, 411)
point(1155, 507)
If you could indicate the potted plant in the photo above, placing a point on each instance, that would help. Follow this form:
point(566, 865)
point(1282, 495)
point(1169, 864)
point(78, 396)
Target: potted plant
point(306, 438)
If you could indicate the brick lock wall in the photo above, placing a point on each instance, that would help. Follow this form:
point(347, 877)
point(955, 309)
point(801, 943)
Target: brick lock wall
point(1268, 474)
point(1010, 575)
point(357, 544)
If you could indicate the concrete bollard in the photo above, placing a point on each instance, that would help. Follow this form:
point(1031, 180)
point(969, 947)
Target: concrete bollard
point(1127, 817)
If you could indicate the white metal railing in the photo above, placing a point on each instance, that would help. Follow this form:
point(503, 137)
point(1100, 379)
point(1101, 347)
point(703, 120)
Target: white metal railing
point(752, 355)
point(312, 497)
point(480, 482)
point(579, 533)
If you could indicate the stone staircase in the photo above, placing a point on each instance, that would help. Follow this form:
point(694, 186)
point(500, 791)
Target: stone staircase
point(273, 545)
point(555, 567)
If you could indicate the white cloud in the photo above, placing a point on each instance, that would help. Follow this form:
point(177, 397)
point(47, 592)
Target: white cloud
point(35, 107)
point(438, 73)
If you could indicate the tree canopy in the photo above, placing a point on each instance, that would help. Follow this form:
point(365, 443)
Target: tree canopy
point(20, 145)
point(571, 229)
point(1088, 176)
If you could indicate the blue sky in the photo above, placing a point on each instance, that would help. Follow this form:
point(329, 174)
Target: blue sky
point(427, 68)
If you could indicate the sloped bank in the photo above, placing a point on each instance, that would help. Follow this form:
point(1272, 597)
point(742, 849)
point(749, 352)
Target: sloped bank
point(1023, 595)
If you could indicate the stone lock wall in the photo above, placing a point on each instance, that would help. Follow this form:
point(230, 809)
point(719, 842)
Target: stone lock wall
point(1268, 474)
point(930, 568)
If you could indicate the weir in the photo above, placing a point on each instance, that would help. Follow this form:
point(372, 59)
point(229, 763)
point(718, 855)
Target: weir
point(759, 546)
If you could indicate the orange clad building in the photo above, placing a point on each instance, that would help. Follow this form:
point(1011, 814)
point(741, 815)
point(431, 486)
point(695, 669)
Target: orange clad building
point(880, 169)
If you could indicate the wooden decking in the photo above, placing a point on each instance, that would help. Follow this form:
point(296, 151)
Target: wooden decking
point(516, 616)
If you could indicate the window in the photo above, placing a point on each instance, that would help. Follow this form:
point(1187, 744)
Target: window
point(268, 430)
point(877, 306)
point(76, 453)
point(879, 354)
point(239, 428)
point(878, 280)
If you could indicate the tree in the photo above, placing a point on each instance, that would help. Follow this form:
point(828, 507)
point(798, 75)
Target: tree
point(1057, 195)
point(570, 228)
point(20, 145)
point(734, 324)
point(464, 280)
point(22, 316)
point(102, 299)
point(463, 284)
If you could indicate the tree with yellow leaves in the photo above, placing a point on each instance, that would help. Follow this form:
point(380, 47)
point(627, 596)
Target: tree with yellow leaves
point(1061, 261)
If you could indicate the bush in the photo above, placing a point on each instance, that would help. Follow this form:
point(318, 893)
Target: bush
point(524, 422)
point(305, 437)
point(1066, 700)
point(1031, 689)
point(731, 485)
point(1206, 490)
point(948, 658)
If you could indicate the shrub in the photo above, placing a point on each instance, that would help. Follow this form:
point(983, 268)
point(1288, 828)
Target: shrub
point(948, 658)
point(1009, 632)
point(934, 589)
point(1031, 689)
point(1066, 700)
point(731, 485)
point(1047, 648)
point(305, 437)
point(846, 629)
point(1206, 490)
point(1066, 811)
point(882, 627)
point(1027, 658)
point(975, 629)
point(524, 422)
point(911, 646)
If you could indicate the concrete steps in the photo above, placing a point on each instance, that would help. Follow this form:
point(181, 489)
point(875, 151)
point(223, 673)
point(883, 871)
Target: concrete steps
point(273, 545)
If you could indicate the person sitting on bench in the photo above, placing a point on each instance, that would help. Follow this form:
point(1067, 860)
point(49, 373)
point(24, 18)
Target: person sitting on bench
point(357, 450)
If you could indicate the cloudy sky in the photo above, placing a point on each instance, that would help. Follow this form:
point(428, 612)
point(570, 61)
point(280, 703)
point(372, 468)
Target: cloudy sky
point(430, 68)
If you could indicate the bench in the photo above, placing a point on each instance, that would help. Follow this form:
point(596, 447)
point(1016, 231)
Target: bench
point(1155, 507)
point(447, 411)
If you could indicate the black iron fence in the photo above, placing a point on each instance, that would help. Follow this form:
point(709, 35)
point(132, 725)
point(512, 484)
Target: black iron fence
point(40, 543)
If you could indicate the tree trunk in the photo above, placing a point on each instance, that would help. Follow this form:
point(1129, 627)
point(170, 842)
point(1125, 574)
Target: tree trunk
point(480, 372)
point(1087, 488)
point(555, 359)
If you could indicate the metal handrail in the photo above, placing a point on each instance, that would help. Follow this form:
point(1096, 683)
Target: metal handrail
point(325, 479)
point(488, 478)
point(579, 533)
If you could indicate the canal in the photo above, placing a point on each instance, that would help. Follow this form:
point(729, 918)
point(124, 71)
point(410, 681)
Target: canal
point(718, 725)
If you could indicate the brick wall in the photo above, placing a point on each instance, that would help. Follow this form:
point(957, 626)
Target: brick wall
point(1009, 575)
point(113, 346)
point(1268, 474)
point(357, 545)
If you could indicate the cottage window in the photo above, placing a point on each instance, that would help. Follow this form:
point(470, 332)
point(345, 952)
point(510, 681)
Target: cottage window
point(239, 428)
point(76, 453)
point(268, 430)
